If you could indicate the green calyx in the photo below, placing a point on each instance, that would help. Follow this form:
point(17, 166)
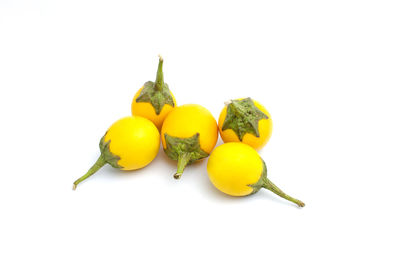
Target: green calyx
point(184, 150)
point(156, 93)
point(242, 116)
point(264, 182)
point(106, 156)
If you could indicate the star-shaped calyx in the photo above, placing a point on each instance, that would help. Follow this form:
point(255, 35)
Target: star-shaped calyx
point(156, 93)
point(242, 116)
point(184, 150)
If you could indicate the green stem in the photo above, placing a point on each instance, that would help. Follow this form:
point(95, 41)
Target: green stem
point(160, 76)
point(183, 160)
point(273, 188)
point(99, 163)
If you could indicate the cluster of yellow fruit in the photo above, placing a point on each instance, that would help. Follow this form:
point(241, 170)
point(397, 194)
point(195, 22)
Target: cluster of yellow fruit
point(188, 134)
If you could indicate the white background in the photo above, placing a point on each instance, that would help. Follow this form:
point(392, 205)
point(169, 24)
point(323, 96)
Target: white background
point(328, 72)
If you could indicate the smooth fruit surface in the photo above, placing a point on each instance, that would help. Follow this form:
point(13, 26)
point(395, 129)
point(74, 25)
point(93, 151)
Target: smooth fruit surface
point(145, 109)
point(135, 140)
point(186, 121)
point(232, 167)
point(264, 127)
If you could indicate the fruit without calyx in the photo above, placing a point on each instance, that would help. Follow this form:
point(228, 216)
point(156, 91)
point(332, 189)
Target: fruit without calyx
point(237, 169)
point(154, 100)
point(130, 143)
point(189, 133)
point(247, 121)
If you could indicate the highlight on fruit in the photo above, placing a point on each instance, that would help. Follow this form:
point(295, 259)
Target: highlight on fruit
point(189, 133)
point(154, 100)
point(247, 121)
point(130, 143)
point(236, 169)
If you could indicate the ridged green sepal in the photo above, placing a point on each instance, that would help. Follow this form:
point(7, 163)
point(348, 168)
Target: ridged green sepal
point(261, 181)
point(242, 116)
point(184, 150)
point(176, 146)
point(107, 155)
point(157, 98)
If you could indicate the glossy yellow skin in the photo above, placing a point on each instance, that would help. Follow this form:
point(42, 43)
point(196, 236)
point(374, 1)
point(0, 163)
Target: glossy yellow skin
point(187, 120)
point(233, 166)
point(264, 127)
point(135, 140)
point(146, 110)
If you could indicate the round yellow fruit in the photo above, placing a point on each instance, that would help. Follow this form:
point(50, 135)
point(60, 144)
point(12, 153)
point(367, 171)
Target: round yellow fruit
point(135, 140)
point(263, 126)
point(189, 133)
point(130, 143)
point(232, 167)
point(236, 169)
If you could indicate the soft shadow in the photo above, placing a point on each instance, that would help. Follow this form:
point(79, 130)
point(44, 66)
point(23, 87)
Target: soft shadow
point(162, 156)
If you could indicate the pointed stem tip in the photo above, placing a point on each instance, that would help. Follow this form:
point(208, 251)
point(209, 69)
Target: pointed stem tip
point(177, 176)
point(300, 203)
point(160, 57)
point(269, 185)
point(99, 163)
point(228, 102)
